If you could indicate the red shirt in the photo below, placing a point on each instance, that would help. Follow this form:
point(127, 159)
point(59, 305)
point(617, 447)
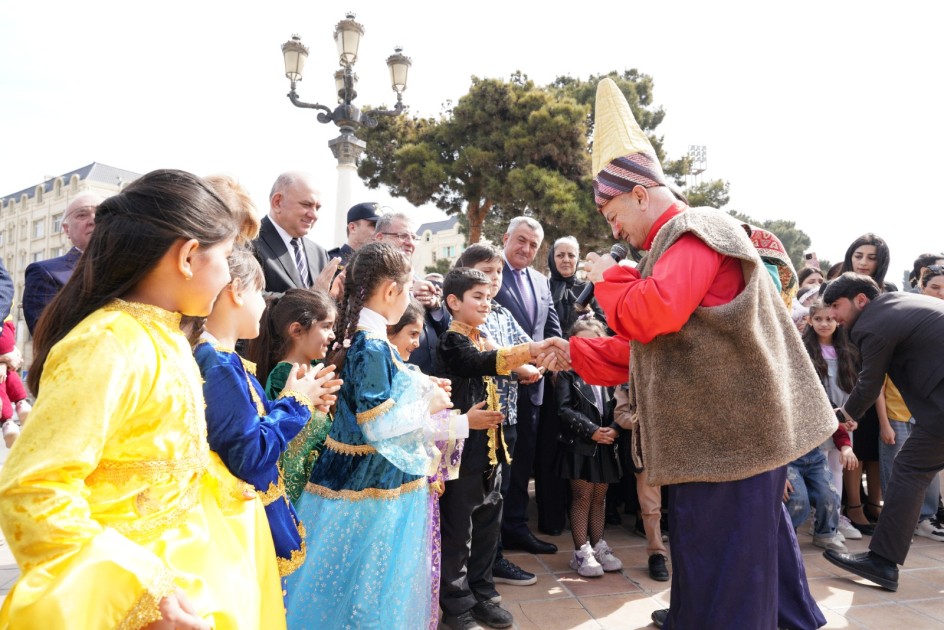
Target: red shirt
point(689, 274)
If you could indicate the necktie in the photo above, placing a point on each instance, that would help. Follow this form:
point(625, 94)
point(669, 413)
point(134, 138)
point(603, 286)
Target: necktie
point(524, 288)
point(301, 263)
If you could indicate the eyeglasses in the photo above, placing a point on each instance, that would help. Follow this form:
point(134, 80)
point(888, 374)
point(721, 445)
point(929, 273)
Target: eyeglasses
point(936, 268)
point(403, 237)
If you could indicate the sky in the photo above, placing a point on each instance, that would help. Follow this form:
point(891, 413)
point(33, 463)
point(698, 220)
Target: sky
point(824, 113)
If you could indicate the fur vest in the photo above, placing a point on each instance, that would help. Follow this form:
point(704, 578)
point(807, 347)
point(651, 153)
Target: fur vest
point(733, 393)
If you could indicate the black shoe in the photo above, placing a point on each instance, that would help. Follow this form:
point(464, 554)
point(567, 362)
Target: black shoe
point(528, 543)
point(657, 569)
point(505, 572)
point(868, 565)
point(612, 515)
point(659, 616)
point(465, 621)
point(492, 615)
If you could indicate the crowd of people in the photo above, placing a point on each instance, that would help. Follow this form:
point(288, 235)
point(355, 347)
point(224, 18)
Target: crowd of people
point(235, 428)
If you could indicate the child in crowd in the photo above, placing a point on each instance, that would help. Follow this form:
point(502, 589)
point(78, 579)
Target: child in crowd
point(296, 329)
point(13, 394)
point(143, 523)
point(837, 364)
point(246, 429)
point(588, 459)
point(503, 331)
point(467, 591)
point(405, 337)
point(366, 506)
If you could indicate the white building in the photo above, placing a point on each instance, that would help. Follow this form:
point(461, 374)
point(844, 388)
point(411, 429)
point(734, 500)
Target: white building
point(438, 240)
point(31, 221)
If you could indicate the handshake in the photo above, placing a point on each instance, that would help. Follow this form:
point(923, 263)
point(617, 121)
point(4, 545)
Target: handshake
point(551, 354)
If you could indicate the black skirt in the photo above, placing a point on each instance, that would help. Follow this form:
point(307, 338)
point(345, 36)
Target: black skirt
point(603, 467)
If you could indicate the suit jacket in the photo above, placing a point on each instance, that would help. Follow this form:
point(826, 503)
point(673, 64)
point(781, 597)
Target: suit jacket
point(545, 324)
point(43, 280)
point(278, 263)
point(902, 335)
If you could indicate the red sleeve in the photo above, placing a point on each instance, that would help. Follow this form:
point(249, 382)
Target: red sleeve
point(7, 337)
point(642, 308)
point(841, 437)
point(600, 361)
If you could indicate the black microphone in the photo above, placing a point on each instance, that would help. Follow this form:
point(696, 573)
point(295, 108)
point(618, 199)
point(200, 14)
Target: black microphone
point(618, 252)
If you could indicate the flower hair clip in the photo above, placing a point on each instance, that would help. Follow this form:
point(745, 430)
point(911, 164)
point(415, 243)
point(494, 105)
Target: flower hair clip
point(337, 344)
point(347, 343)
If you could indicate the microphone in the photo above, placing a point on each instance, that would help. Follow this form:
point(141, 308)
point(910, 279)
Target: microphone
point(618, 253)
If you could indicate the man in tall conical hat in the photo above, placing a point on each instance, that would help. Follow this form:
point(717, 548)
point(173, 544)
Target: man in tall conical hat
point(711, 346)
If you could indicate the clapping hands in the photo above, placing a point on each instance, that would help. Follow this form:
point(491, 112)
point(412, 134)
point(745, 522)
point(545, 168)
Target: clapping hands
point(318, 383)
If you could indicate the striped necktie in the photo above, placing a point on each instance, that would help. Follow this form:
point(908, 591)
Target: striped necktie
point(301, 263)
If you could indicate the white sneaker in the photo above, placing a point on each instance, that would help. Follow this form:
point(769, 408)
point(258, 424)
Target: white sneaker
point(584, 563)
point(847, 530)
point(11, 431)
point(829, 542)
point(605, 557)
point(925, 528)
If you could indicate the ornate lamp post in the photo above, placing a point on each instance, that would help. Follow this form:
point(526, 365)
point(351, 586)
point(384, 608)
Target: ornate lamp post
point(347, 147)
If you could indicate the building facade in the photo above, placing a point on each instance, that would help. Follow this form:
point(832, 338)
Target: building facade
point(438, 240)
point(31, 224)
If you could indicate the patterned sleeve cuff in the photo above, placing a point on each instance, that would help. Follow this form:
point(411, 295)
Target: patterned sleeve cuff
point(510, 358)
point(300, 398)
point(145, 610)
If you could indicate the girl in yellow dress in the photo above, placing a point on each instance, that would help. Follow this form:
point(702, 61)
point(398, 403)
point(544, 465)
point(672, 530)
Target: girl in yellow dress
point(117, 512)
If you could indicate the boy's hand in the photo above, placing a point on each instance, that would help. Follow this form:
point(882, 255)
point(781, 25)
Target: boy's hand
point(787, 491)
point(528, 374)
point(552, 353)
point(847, 458)
point(482, 419)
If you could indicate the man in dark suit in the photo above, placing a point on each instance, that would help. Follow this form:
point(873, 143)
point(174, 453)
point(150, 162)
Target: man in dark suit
point(902, 335)
point(397, 229)
point(288, 259)
point(44, 278)
point(527, 295)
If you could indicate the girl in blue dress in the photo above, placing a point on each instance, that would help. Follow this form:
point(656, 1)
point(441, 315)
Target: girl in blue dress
point(247, 430)
point(366, 508)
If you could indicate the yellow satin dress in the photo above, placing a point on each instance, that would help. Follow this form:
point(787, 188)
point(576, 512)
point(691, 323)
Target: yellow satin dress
point(111, 498)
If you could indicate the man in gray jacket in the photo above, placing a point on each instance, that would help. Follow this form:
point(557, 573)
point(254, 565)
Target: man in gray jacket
point(902, 335)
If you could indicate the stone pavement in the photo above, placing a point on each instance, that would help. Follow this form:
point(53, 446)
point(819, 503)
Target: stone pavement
point(562, 600)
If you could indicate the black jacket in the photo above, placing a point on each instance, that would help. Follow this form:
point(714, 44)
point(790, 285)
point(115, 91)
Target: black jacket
point(579, 415)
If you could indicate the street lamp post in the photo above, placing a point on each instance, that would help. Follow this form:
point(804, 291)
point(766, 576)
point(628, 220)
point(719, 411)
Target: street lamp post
point(347, 147)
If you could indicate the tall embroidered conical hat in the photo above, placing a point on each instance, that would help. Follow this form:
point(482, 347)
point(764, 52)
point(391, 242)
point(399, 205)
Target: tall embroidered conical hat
point(623, 157)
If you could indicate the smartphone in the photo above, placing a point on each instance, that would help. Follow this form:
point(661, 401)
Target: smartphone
point(812, 260)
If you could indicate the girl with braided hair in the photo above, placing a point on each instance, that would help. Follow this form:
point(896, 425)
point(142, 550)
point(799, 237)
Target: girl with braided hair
point(366, 507)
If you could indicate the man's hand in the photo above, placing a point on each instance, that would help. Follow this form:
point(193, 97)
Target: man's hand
point(325, 278)
point(787, 491)
point(887, 434)
point(552, 353)
point(595, 265)
point(427, 294)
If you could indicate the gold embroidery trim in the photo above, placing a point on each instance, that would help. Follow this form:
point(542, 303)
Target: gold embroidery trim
point(249, 366)
point(273, 492)
point(464, 329)
point(120, 470)
point(493, 404)
point(512, 357)
point(288, 566)
point(300, 398)
point(367, 493)
point(145, 609)
point(366, 416)
point(147, 313)
point(349, 449)
point(148, 528)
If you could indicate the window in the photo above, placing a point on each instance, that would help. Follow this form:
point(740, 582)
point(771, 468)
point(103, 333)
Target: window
point(434, 255)
point(57, 223)
point(449, 251)
point(56, 252)
point(37, 256)
point(39, 228)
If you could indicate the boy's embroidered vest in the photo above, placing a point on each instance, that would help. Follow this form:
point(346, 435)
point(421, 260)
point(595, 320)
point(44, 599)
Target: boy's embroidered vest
point(733, 393)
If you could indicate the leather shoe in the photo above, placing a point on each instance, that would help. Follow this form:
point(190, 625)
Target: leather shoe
point(492, 615)
point(528, 543)
point(659, 616)
point(657, 569)
point(868, 565)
